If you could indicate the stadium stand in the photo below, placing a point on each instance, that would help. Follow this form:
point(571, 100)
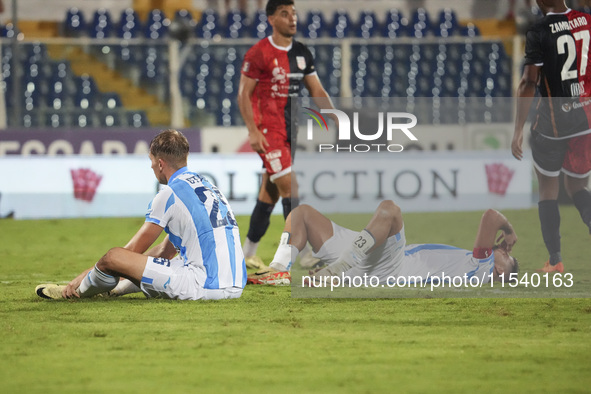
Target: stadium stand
point(430, 55)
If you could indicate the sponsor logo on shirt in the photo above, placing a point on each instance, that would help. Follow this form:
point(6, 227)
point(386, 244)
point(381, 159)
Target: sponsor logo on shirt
point(301, 62)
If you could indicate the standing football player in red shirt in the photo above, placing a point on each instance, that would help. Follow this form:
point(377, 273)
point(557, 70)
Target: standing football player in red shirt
point(272, 75)
point(558, 63)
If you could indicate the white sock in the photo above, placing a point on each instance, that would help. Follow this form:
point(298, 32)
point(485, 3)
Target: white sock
point(125, 286)
point(285, 254)
point(363, 242)
point(96, 282)
point(354, 255)
point(249, 248)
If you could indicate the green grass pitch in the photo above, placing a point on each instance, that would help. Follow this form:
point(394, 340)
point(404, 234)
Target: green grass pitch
point(268, 341)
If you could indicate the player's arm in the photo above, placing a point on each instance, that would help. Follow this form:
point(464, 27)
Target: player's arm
point(491, 223)
point(256, 138)
point(164, 249)
point(525, 94)
point(319, 94)
point(144, 238)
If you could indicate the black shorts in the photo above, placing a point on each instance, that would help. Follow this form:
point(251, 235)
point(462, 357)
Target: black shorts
point(548, 154)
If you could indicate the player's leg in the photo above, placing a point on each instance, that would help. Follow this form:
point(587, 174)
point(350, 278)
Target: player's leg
point(105, 275)
point(304, 224)
point(549, 214)
point(288, 190)
point(577, 168)
point(581, 196)
point(259, 221)
point(548, 158)
point(386, 222)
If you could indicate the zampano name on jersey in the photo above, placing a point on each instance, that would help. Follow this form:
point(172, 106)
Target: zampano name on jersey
point(568, 25)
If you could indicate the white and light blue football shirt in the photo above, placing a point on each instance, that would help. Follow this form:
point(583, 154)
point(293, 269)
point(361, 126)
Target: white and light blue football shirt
point(201, 225)
point(429, 260)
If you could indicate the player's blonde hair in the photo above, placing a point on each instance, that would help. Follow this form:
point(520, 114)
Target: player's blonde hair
point(171, 146)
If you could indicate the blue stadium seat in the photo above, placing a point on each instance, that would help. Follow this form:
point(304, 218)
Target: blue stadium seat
point(130, 25)
point(31, 120)
point(448, 23)
point(368, 24)
point(156, 25)
point(110, 118)
point(8, 31)
point(83, 119)
point(35, 53)
point(393, 26)
point(315, 25)
point(137, 119)
point(341, 24)
point(102, 25)
point(57, 100)
point(110, 101)
point(260, 27)
point(57, 119)
point(470, 30)
point(74, 23)
point(235, 24)
point(420, 25)
point(209, 25)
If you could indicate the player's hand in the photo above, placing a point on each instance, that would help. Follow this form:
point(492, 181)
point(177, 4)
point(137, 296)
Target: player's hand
point(506, 241)
point(70, 290)
point(258, 142)
point(517, 145)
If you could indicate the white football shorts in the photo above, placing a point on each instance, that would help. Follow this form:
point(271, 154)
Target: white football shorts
point(383, 262)
point(163, 278)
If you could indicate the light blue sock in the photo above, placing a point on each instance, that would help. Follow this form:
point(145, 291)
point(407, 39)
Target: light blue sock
point(96, 282)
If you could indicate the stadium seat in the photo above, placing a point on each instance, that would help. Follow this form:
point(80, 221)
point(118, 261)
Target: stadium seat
point(57, 100)
point(341, 24)
point(156, 25)
point(83, 119)
point(367, 26)
point(315, 25)
point(31, 119)
point(470, 30)
point(110, 118)
point(8, 31)
point(35, 53)
point(448, 23)
point(110, 101)
point(137, 119)
point(209, 25)
point(102, 25)
point(129, 25)
point(393, 27)
point(57, 119)
point(421, 24)
point(260, 27)
point(74, 23)
point(235, 24)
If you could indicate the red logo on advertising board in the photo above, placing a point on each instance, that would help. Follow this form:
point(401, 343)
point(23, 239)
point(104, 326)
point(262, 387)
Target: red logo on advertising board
point(498, 177)
point(85, 182)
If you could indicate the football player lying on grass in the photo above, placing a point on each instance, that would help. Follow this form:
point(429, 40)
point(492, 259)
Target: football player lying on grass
point(380, 249)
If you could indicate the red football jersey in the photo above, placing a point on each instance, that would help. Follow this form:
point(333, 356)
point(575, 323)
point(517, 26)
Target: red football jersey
point(279, 72)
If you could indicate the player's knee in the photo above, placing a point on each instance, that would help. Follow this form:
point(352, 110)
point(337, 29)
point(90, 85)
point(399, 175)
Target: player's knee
point(109, 260)
point(389, 210)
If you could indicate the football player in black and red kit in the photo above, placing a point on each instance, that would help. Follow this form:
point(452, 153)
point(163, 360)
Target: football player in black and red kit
point(273, 72)
point(558, 62)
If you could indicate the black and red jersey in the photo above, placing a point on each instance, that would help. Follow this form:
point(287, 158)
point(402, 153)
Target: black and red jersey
point(561, 45)
point(279, 72)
